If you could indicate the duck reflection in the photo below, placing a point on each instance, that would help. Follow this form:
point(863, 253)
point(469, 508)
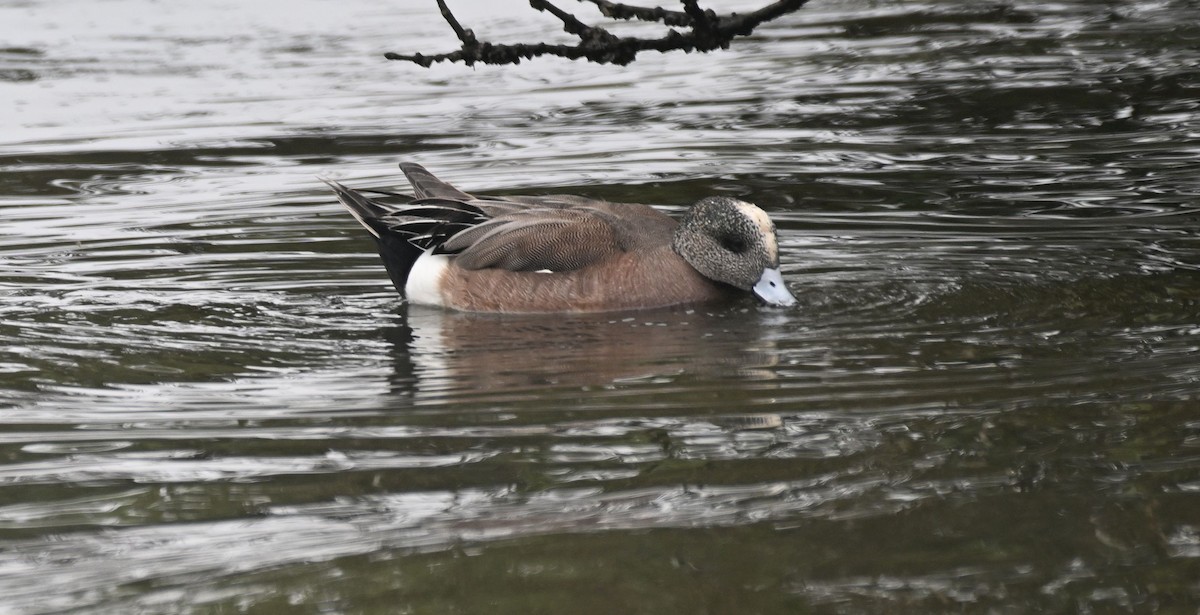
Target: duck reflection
point(441, 355)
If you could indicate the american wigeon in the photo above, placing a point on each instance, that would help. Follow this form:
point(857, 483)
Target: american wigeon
point(564, 253)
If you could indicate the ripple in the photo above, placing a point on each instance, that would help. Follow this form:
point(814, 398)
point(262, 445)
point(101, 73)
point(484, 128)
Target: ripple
point(214, 401)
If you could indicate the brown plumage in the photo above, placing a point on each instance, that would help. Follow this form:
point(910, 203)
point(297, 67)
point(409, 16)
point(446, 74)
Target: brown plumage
point(561, 253)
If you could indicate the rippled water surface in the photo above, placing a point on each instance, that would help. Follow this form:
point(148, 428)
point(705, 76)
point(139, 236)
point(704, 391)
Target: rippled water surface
point(988, 399)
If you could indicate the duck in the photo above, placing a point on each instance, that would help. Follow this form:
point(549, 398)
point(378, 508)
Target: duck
point(563, 253)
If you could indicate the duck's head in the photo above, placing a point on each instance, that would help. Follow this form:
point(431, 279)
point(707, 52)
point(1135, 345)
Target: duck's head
point(733, 242)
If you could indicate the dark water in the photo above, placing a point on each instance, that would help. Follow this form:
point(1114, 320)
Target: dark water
point(986, 401)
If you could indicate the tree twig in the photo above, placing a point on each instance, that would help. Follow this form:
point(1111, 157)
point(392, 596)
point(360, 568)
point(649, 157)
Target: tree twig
point(616, 10)
point(708, 31)
point(702, 21)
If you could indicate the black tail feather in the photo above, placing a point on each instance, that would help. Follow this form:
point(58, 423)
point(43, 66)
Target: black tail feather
point(403, 231)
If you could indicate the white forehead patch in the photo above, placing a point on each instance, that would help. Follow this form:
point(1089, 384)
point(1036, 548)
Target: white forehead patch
point(765, 225)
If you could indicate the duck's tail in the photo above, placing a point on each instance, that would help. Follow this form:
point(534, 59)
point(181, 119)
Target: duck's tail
point(404, 230)
point(367, 212)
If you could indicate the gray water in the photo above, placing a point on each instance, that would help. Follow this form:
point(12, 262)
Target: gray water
point(212, 401)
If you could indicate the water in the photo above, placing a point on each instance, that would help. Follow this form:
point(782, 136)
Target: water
point(986, 401)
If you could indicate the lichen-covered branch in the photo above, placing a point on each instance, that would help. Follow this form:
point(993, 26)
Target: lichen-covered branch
point(706, 31)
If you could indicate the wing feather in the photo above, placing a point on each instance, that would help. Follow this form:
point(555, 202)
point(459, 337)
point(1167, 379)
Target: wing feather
point(426, 185)
point(515, 233)
point(536, 240)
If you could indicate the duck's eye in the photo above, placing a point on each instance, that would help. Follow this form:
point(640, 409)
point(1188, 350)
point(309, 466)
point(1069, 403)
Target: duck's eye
point(734, 244)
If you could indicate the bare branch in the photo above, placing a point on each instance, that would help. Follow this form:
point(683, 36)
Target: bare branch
point(570, 23)
point(616, 10)
point(743, 25)
point(708, 31)
point(464, 35)
point(702, 21)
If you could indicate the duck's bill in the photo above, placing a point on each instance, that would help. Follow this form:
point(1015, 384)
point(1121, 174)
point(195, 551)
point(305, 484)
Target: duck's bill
point(771, 289)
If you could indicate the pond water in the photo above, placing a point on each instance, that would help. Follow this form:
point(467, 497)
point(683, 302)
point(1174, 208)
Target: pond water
point(987, 400)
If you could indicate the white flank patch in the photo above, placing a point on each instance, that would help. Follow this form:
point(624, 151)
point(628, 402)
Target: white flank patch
point(425, 280)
